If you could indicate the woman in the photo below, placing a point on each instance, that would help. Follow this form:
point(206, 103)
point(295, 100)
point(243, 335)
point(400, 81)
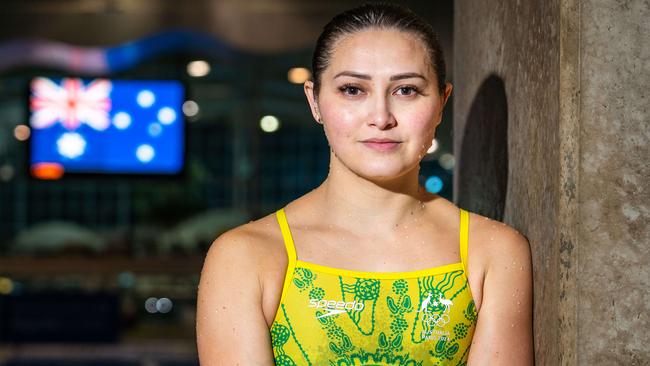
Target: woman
point(369, 268)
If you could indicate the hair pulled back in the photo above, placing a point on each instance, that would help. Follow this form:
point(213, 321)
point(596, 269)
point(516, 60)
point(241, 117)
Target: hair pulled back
point(380, 16)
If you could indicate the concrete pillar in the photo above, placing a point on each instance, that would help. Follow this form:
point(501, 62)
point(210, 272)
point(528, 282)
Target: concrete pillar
point(552, 132)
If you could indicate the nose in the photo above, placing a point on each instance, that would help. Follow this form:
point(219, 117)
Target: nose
point(381, 116)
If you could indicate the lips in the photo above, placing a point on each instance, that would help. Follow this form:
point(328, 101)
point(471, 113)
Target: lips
point(381, 144)
point(375, 140)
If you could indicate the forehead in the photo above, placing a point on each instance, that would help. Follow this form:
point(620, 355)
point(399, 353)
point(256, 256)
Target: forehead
point(379, 51)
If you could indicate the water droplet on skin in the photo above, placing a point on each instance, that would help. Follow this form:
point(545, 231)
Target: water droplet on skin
point(521, 268)
point(512, 325)
point(518, 302)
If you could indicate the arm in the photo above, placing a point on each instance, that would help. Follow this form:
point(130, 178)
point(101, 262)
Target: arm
point(230, 325)
point(504, 331)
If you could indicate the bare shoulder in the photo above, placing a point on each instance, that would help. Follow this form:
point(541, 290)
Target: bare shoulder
point(506, 294)
point(247, 246)
point(500, 244)
point(231, 326)
point(490, 241)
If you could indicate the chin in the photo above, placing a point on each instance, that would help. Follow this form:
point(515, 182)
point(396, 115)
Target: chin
point(376, 168)
point(381, 173)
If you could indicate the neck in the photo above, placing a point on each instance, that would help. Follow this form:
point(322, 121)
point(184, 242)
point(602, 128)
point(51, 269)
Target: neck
point(357, 203)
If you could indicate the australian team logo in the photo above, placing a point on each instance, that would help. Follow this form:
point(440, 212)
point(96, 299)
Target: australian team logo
point(435, 319)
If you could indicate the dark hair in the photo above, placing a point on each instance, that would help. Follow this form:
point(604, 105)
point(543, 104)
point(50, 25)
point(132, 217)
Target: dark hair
point(382, 16)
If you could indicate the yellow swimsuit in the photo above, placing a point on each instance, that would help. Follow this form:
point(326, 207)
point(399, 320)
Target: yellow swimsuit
point(333, 317)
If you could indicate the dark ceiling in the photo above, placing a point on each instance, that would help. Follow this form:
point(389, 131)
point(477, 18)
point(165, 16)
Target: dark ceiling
point(266, 26)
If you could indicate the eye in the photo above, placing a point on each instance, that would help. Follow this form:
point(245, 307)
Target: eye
point(348, 89)
point(408, 90)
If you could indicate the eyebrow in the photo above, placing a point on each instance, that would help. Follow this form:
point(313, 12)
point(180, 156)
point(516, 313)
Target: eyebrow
point(406, 75)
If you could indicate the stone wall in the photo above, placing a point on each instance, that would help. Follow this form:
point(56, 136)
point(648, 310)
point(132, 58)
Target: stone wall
point(551, 136)
point(614, 190)
point(506, 57)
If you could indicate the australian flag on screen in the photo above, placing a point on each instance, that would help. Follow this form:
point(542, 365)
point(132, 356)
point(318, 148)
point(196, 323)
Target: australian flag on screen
point(107, 126)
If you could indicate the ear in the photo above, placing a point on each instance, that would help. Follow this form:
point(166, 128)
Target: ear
point(446, 93)
point(311, 98)
point(444, 97)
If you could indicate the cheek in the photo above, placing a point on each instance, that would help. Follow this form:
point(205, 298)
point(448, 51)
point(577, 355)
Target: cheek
point(339, 136)
point(338, 113)
point(339, 123)
point(421, 122)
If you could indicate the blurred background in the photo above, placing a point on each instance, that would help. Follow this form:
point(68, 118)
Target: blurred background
point(132, 133)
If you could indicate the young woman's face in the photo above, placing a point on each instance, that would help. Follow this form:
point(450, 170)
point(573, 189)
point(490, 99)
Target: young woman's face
point(379, 102)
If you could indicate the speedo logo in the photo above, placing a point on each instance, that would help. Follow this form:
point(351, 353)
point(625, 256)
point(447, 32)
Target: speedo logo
point(333, 307)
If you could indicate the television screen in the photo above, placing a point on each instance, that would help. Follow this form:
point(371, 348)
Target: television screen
point(105, 126)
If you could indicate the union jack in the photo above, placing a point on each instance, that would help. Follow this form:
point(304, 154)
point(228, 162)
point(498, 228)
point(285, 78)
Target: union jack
point(71, 103)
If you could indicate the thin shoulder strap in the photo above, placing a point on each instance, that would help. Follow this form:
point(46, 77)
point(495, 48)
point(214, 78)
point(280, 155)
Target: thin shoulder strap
point(286, 235)
point(291, 252)
point(464, 237)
